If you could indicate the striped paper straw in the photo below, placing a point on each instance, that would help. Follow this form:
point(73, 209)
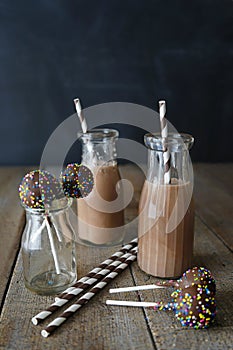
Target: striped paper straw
point(83, 287)
point(127, 247)
point(86, 297)
point(97, 277)
point(164, 133)
point(82, 284)
point(80, 115)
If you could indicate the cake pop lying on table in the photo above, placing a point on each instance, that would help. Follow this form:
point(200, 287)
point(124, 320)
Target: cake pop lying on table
point(193, 300)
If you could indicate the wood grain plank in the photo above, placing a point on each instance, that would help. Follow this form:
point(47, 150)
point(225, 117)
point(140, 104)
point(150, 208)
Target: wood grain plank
point(221, 172)
point(11, 220)
point(98, 326)
point(214, 199)
point(167, 331)
point(95, 326)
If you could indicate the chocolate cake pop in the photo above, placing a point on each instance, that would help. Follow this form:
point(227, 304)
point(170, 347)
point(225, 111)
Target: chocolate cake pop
point(194, 298)
point(191, 277)
point(193, 301)
point(77, 180)
point(39, 188)
point(194, 306)
point(197, 276)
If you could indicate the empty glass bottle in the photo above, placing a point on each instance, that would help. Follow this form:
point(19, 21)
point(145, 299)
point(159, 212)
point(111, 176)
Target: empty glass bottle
point(48, 249)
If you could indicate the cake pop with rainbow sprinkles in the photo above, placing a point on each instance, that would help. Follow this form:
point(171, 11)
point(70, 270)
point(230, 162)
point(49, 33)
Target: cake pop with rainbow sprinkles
point(38, 189)
point(193, 300)
point(77, 180)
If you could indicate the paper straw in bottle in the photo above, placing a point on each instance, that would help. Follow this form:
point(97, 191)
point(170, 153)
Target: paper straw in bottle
point(164, 134)
point(80, 115)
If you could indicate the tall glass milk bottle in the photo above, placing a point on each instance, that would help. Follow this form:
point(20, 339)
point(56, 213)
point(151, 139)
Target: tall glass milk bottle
point(166, 211)
point(101, 214)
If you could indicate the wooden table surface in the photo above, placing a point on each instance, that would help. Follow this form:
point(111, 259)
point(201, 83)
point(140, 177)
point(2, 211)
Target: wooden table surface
point(98, 326)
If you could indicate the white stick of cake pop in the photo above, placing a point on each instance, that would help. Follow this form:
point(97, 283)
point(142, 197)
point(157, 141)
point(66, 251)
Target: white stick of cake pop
point(132, 303)
point(80, 115)
point(53, 249)
point(135, 288)
point(164, 133)
point(37, 233)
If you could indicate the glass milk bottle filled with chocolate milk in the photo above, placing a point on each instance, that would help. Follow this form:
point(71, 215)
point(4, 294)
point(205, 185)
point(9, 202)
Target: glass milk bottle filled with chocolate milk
point(101, 214)
point(166, 209)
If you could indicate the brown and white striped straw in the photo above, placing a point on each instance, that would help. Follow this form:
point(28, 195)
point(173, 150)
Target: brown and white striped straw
point(97, 277)
point(55, 324)
point(85, 282)
point(80, 115)
point(127, 247)
point(82, 287)
point(164, 134)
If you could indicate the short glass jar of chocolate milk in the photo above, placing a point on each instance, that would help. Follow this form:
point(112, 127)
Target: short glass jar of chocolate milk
point(166, 210)
point(101, 214)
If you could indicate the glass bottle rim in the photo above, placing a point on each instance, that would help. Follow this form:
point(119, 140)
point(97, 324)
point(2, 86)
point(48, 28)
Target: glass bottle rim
point(154, 141)
point(99, 134)
point(65, 204)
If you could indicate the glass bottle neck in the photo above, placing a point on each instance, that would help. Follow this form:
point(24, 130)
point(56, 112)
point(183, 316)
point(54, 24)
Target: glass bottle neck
point(179, 167)
point(57, 207)
point(179, 164)
point(99, 147)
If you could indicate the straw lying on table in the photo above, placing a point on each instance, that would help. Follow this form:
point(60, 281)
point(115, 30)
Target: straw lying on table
point(82, 287)
point(85, 282)
point(97, 277)
point(86, 297)
point(96, 270)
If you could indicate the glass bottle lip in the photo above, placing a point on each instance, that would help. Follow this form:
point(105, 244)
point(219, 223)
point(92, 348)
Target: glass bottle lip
point(99, 135)
point(174, 141)
point(58, 205)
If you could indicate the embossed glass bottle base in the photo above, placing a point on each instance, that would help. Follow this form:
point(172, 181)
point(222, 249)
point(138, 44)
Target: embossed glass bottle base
point(50, 282)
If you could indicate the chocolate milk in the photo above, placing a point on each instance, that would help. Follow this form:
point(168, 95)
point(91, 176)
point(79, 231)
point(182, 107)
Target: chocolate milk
point(95, 225)
point(164, 254)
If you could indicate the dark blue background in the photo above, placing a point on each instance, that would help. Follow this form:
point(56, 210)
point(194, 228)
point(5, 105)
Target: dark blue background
point(124, 50)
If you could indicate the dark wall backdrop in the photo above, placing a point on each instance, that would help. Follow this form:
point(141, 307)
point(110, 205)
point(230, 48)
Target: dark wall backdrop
point(106, 50)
